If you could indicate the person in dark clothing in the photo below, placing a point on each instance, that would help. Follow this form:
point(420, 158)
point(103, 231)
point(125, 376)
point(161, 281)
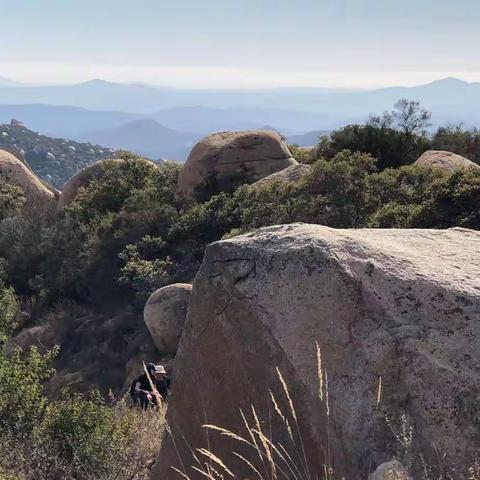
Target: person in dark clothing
point(141, 389)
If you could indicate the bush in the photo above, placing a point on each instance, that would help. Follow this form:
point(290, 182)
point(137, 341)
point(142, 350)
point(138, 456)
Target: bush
point(454, 138)
point(77, 437)
point(392, 148)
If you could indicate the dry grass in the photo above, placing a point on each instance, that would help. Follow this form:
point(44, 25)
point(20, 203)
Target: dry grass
point(270, 459)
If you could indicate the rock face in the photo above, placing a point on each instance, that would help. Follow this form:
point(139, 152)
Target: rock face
point(228, 158)
point(402, 306)
point(446, 161)
point(15, 172)
point(393, 470)
point(289, 174)
point(165, 313)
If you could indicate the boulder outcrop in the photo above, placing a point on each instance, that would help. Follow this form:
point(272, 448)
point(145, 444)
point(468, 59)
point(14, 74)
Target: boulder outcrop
point(14, 171)
point(230, 158)
point(164, 315)
point(395, 314)
point(448, 162)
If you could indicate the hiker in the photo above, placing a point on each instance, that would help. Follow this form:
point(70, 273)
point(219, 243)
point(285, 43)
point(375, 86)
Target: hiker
point(141, 389)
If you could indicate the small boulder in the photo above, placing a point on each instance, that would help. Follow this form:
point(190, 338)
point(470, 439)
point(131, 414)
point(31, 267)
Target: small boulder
point(40, 336)
point(232, 158)
point(164, 315)
point(448, 162)
point(393, 470)
point(16, 172)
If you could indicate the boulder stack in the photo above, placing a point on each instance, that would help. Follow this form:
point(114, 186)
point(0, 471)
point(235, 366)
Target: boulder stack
point(165, 314)
point(448, 162)
point(228, 159)
point(395, 315)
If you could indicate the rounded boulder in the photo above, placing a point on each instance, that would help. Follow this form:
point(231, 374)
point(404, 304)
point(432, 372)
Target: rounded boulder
point(164, 315)
point(448, 162)
point(13, 171)
point(229, 159)
point(393, 470)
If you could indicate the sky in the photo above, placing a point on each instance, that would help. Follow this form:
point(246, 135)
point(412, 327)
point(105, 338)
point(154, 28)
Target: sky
point(243, 43)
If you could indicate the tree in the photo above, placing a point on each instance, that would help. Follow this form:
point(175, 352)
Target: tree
point(407, 116)
point(454, 138)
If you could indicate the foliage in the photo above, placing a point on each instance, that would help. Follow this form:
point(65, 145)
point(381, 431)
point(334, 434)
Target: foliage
point(395, 138)
point(76, 437)
point(453, 201)
point(407, 116)
point(142, 275)
point(126, 234)
point(12, 200)
point(454, 138)
point(391, 147)
point(8, 307)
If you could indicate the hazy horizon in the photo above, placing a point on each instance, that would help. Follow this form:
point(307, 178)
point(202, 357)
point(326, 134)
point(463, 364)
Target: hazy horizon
point(219, 78)
point(249, 44)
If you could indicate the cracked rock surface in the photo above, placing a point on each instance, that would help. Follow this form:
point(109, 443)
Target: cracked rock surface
point(400, 307)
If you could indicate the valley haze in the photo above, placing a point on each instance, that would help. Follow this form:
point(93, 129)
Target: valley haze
point(165, 122)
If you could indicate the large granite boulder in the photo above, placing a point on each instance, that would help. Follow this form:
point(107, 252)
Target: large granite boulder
point(164, 315)
point(396, 317)
point(228, 159)
point(14, 171)
point(448, 162)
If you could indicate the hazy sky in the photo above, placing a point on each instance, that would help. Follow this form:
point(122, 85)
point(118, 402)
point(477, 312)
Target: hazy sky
point(240, 43)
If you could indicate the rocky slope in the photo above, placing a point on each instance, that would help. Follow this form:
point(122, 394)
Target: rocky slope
point(396, 308)
point(54, 160)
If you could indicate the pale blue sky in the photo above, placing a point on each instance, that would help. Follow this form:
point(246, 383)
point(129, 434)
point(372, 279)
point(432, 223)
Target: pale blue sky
point(283, 41)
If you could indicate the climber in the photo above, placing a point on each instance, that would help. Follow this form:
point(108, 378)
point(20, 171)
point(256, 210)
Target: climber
point(151, 388)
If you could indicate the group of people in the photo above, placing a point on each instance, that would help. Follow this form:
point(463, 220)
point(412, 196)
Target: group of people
point(152, 388)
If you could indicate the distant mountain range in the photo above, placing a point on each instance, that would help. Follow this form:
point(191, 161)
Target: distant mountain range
point(165, 122)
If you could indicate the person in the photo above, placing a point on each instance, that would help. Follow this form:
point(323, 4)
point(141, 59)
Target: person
point(141, 389)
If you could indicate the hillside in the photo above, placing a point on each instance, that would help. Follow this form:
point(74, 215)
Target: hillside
point(123, 237)
point(54, 160)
